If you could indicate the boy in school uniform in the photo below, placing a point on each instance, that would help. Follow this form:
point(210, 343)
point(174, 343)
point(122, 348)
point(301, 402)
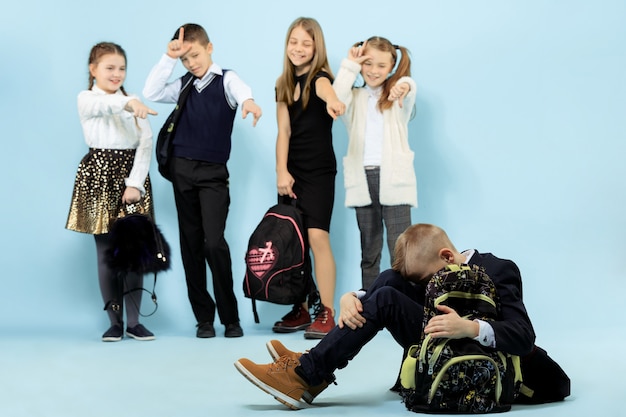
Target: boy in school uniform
point(200, 150)
point(395, 302)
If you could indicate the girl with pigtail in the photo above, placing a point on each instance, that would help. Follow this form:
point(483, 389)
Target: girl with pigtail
point(113, 174)
point(378, 168)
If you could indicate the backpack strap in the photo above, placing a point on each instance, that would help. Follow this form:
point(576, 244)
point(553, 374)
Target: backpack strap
point(185, 81)
point(457, 268)
point(285, 199)
point(186, 84)
point(163, 147)
point(256, 314)
point(118, 299)
point(185, 88)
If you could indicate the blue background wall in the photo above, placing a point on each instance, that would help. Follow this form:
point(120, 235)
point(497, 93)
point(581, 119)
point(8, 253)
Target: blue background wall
point(518, 134)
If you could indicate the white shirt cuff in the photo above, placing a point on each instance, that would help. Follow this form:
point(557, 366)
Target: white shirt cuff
point(360, 294)
point(486, 336)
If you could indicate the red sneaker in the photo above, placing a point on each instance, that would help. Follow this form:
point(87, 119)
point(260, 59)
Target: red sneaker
point(324, 323)
point(297, 319)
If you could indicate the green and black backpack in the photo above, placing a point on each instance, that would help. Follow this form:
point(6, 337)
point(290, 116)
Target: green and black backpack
point(459, 375)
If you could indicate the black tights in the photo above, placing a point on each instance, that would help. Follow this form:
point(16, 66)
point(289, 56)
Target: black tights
point(108, 287)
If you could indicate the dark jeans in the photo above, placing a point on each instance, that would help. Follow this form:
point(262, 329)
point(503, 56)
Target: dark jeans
point(202, 201)
point(391, 303)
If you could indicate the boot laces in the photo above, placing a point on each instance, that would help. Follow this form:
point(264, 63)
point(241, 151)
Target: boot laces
point(293, 314)
point(322, 316)
point(284, 362)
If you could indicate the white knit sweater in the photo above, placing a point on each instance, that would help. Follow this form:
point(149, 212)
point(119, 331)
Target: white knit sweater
point(398, 184)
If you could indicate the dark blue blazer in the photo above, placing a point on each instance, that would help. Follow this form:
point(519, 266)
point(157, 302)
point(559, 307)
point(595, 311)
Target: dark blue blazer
point(513, 331)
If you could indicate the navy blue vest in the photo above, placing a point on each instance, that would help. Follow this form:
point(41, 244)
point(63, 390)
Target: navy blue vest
point(206, 124)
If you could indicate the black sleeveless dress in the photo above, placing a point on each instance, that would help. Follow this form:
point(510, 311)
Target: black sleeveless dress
point(311, 159)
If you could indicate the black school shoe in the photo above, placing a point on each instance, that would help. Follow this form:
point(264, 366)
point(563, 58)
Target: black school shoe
point(233, 330)
point(139, 332)
point(114, 334)
point(205, 330)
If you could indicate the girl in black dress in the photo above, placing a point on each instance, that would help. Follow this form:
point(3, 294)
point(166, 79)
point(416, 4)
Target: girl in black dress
point(305, 161)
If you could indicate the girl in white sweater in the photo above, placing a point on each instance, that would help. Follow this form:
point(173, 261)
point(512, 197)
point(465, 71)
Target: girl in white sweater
point(378, 169)
point(113, 176)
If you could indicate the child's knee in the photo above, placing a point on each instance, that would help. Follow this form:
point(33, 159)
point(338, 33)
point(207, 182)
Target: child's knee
point(319, 239)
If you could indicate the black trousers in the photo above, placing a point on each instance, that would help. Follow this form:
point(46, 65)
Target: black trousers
point(202, 201)
point(391, 303)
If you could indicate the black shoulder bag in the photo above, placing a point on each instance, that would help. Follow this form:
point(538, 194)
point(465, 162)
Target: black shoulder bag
point(166, 134)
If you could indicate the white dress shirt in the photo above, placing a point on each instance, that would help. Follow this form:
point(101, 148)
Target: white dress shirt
point(374, 132)
point(157, 87)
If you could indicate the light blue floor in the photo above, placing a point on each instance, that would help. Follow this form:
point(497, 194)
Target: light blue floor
point(74, 374)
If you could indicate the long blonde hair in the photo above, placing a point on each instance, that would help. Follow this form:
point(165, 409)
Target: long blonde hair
point(285, 85)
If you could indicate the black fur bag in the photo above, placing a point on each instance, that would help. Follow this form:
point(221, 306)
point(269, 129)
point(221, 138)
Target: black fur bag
point(137, 245)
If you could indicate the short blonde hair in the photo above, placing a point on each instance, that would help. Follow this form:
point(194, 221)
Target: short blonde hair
point(419, 244)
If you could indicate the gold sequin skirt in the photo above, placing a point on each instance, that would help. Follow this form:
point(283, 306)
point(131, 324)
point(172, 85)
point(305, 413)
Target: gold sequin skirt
point(98, 189)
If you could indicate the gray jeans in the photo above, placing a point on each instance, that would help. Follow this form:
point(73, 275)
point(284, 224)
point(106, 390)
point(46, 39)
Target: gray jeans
point(370, 220)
